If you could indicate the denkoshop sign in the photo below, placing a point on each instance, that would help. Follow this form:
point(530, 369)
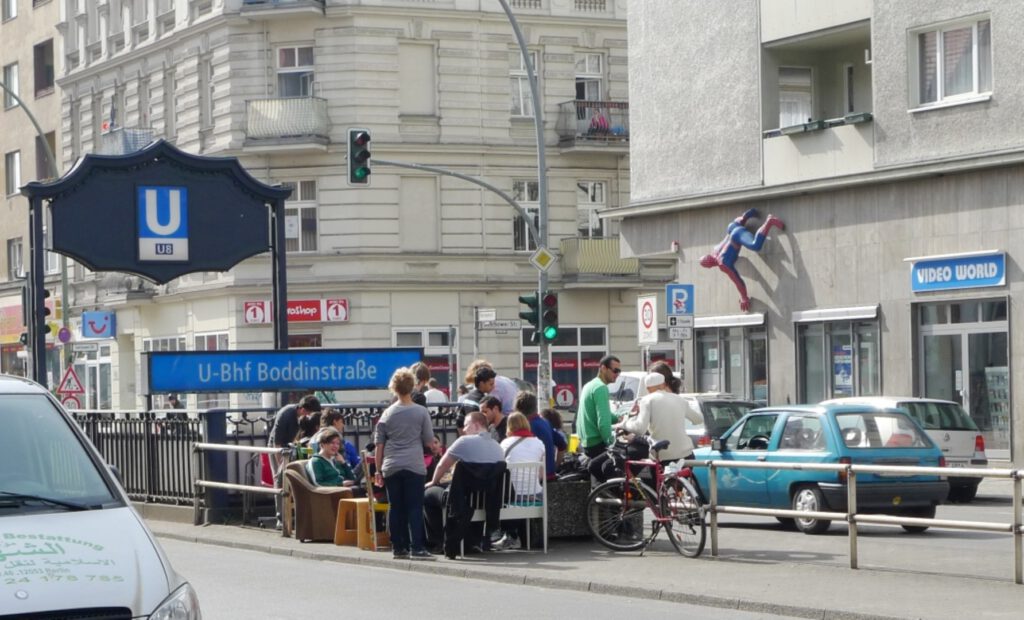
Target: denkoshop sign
point(299, 311)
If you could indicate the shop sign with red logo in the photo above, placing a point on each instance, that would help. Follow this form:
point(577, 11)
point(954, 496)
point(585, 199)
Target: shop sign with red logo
point(437, 366)
point(565, 395)
point(564, 364)
point(529, 364)
point(299, 311)
point(589, 363)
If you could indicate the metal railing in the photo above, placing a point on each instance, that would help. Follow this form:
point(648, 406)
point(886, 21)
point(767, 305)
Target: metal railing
point(287, 117)
point(852, 518)
point(593, 122)
point(202, 496)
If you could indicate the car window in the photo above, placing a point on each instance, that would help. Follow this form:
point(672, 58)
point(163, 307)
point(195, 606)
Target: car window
point(721, 415)
point(41, 455)
point(802, 433)
point(759, 426)
point(880, 430)
point(939, 416)
point(623, 388)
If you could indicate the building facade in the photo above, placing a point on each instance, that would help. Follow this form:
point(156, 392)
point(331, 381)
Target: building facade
point(27, 68)
point(887, 136)
point(408, 259)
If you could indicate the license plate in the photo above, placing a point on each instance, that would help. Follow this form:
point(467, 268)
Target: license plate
point(956, 464)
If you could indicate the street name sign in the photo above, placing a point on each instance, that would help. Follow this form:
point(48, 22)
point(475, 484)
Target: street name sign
point(500, 324)
point(680, 333)
point(269, 371)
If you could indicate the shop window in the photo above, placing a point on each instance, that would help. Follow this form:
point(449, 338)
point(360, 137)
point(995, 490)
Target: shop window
point(575, 359)
point(733, 360)
point(300, 216)
point(839, 359)
point(440, 351)
point(93, 369)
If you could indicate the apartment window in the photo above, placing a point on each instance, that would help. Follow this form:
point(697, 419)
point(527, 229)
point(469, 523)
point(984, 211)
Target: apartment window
point(796, 96)
point(170, 111)
point(295, 72)
point(300, 226)
point(12, 172)
point(590, 197)
point(10, 9)
point(437, 342)
point(589, 76)
point(416, 79)
point(43, 167)
point(522, 104)
point(15, 266)
point(174, 343)
point(952, 62)
point(212, 342)
point(42, 58)
point(527, 194)
point(837, 359)
point(11, 80)
point(850, 103)
point(206, 93)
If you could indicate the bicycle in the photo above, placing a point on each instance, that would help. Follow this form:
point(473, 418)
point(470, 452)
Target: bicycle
point(615, 509)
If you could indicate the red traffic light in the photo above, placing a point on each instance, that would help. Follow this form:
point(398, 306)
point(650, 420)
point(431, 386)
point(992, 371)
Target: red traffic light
point(550, 300)
point(361, 139)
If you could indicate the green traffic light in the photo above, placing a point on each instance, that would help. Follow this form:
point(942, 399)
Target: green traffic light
point(361, 173)
point(550, 332)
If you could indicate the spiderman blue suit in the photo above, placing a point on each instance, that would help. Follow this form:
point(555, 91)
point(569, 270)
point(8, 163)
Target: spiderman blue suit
point(738, 237)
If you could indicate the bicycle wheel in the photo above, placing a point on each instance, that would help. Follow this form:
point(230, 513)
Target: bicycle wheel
point(687, 530)
point(617, 522)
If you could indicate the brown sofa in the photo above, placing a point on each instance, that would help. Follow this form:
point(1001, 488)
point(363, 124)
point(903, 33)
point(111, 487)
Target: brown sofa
point(315, 509)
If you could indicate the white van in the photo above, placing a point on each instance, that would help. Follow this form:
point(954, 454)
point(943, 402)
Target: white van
point(71, 545)
point(949, 426)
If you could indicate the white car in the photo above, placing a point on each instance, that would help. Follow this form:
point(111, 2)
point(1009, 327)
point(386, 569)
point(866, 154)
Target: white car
point(72, 544)
point(949, 427)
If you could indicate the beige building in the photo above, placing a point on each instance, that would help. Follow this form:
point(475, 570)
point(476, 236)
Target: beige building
point(410, 256)
point(30, 46)
point(887, 136)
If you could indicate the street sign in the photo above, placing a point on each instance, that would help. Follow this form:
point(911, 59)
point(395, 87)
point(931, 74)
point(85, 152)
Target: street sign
point(486, 314)
point(685, 320)
point(679, 299)
point(500, 324)
point(85, 347)
point(647, 319)
point(69, 383)
point(680, 333)
point(71, 402)
point(542, 259)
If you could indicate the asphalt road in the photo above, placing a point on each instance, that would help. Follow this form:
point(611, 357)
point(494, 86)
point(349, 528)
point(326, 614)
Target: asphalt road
point(236, 583)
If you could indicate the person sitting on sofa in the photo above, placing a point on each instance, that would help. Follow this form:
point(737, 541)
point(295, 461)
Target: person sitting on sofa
point(328, 468)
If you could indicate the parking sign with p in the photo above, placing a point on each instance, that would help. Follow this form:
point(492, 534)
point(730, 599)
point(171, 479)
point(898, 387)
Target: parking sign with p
point(679, 298)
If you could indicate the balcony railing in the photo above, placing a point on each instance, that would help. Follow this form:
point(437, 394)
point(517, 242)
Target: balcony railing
point(124, 140)
point(289, 119)
point(598, 123)
point(282, 4)
point(598, 257)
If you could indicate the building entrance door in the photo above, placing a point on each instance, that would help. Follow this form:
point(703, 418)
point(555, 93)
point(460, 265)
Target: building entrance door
point(965, 358)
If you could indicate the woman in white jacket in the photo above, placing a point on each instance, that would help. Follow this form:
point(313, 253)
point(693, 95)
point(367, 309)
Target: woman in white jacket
point(663, 415)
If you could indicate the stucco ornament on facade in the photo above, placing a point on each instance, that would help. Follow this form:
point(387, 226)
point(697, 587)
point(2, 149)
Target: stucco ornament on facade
point(738, 237)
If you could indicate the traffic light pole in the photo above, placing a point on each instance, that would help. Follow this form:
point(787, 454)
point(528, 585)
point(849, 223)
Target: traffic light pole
point(543, 361)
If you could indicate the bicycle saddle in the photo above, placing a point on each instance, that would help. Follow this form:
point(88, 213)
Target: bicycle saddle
point(661, 445)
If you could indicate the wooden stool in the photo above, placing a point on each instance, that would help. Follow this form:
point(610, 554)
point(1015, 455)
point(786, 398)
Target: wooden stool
point(346, 527)
point(367, 525)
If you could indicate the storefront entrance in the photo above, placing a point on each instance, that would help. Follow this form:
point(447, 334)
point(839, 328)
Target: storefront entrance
point(964, 357)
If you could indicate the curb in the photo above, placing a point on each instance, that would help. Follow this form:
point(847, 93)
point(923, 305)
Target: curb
point(489, 574)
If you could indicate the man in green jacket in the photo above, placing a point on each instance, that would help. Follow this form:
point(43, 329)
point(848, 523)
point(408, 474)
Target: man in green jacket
point(595, 412)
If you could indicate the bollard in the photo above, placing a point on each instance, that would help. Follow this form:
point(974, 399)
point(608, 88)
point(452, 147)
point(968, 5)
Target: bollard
point(851, 513)
point(713, 478)
point(1018, 553)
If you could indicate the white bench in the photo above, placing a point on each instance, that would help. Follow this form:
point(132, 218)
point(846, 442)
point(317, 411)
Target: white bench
point(519, 505)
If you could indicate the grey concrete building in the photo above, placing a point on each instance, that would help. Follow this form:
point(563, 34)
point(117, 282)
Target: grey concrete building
point(888, 137)
point(411, 255)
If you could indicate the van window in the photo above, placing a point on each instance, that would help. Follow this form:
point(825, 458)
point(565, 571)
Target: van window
point(41, 455)
point(939, 416)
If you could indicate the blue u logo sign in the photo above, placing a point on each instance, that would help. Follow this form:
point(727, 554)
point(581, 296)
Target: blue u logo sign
point(163, 224)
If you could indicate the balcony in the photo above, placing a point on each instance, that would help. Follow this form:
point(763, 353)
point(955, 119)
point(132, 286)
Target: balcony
point(278, 8)
point(596, 263)
point(287, 123)
point(594, 126)
point(124, 140)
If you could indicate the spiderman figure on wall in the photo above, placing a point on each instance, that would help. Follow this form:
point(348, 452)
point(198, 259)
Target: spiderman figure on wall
point(738, 237)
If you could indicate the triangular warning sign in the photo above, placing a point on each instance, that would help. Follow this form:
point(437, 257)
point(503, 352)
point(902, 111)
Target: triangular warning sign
point(70, 383)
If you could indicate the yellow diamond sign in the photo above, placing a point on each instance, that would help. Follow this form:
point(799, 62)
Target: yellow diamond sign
point(543, 259)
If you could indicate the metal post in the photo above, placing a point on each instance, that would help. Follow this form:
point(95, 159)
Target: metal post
point(476, 332)
point(851, 513)
point(280, 275)
point(37, 337)
point(713, 478)
point(451, 362)
point(1018, 552)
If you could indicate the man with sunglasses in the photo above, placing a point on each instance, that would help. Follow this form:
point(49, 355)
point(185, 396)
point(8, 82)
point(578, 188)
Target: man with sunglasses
point(595, 412)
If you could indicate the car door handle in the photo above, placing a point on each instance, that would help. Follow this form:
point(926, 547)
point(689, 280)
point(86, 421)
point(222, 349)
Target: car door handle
point(762, 458)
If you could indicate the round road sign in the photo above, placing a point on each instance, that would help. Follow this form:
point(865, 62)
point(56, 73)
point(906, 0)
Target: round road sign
point(647, 315)
point(71, 402)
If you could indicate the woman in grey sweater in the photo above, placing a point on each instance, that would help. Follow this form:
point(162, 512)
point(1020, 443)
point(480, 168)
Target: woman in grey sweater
point(402, 433)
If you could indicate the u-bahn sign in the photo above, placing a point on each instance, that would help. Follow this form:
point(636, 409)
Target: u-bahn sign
point(159, 213)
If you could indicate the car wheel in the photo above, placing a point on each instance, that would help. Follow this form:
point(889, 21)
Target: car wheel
point(789, 524)
point(919, 513)
point(810, 499)
point(964, 494)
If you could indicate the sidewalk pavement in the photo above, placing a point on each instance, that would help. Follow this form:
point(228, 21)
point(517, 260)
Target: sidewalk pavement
point(752, 582)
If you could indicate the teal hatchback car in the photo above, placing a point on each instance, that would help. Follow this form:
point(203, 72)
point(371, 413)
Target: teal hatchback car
point(826, 434)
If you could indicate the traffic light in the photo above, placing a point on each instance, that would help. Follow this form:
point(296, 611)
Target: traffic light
point(44, 313)
point(549, 303)
point(531, 316)
point(358, 157)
